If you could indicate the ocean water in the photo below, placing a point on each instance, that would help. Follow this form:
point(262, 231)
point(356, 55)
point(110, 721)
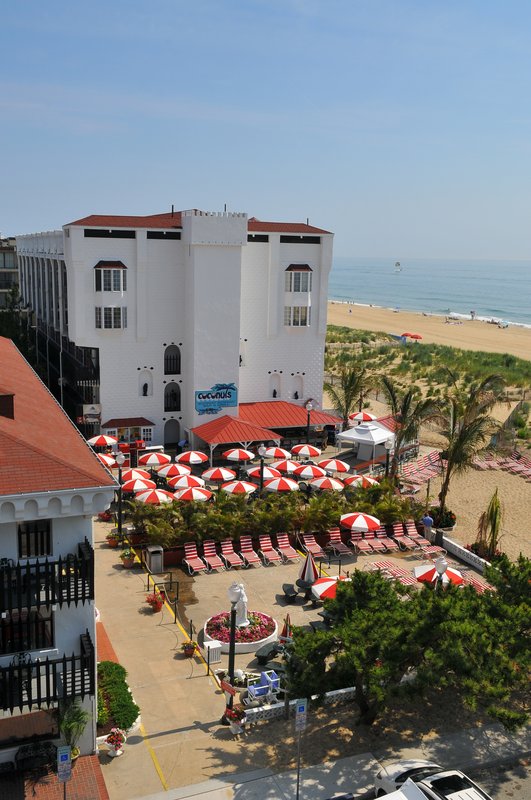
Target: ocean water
point(493, 289)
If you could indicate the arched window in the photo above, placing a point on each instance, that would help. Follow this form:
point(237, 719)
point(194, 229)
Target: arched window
point(172, 360)
point(145, 383)
point(172, 397)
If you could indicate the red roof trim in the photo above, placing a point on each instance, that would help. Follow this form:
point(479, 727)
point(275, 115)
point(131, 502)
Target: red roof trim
point(110, 265)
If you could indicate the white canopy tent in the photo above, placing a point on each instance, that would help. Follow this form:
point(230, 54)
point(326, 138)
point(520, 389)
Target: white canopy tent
point(367, 437)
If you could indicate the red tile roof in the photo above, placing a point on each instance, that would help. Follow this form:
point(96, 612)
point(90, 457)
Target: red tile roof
point(41, 450)
point(174, 220)
point(128, 422)
point(389, 422)
point(281, 414)
point(226, 430)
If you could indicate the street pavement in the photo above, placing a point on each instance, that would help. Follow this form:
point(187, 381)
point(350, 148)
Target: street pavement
point(180, 750)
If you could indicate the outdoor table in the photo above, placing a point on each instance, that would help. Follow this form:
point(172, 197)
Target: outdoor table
point(319, 626)
point(307, 586)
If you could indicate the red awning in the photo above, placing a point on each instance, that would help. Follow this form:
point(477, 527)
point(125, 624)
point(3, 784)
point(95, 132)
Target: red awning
point(281, 414)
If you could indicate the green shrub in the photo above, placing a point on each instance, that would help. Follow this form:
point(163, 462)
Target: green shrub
point(103, 709)
point(121, 706)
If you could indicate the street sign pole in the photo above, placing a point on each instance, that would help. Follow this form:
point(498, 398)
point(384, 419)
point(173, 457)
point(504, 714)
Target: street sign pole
point(64, 766)
point(301, 708)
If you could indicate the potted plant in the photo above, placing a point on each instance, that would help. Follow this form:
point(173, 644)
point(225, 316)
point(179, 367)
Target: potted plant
point(73, 720)
point(189, 648)
point(128, 557)
point(446, 520)
point(236, 718)
point(115, 742)
point(113, 539)
point(155, 600)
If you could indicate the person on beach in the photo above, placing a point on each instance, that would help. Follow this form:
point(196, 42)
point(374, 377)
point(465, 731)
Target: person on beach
point(427, 521)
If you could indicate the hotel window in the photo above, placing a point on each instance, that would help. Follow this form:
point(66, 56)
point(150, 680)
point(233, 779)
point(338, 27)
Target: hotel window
point(297, 316)
point(110, 280)
point(147, 434)
point(110, 317)
point(34, 539)
point(298, 281)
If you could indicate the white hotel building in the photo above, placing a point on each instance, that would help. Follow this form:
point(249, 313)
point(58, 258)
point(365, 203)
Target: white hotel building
point(151, 326)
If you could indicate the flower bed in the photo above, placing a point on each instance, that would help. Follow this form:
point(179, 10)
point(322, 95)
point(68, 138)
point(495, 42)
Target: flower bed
point(116, 707)
point(261, 630)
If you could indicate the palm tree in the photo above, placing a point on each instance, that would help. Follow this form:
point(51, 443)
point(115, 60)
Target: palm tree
point(468, 428)
point(409, 414)
point(349, 392)
point(489, 527)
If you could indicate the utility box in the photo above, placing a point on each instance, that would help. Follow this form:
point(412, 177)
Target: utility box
point(154, 558)
point(213, 651)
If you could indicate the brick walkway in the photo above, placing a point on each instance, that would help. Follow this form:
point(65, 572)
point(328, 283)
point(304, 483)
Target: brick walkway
point(87, 778)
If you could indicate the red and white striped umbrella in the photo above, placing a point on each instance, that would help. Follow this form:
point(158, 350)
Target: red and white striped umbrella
point(362, 416)
point(306, 450)
point(285, 634)
point(102, 440)
point(362, 481)
point(308, 571)
point(138, 485)
point(218, 474)
point(109, 461)
point(238, 454)
point(269, 472)
point(284, 466)
point(154, 459)
point(238, 487)
point(359, 522)
point(154, 496)
point(276, 452)
point(135, 474)
point(191, 457)
point(326, 588)
point(428, 573)
point(309, 471)
point(327, 484)
point(281, 485)
point(193, 494)
point(334, 465)
point(174, 470)
point(186, 482)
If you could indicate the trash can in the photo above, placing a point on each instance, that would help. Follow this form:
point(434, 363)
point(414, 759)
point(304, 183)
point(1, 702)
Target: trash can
point(213, 652)
point(154, 558)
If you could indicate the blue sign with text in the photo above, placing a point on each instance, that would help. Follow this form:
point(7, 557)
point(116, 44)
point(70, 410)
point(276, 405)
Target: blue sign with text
point(221, 395)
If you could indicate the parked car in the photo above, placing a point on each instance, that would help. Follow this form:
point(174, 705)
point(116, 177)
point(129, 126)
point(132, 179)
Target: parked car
point(434, 782)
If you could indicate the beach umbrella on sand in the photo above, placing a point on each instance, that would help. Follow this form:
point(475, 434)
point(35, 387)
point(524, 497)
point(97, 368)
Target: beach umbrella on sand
point(109, 461)
point(308, 571)
point(281, 485)
point(276, 452)
point(284, 466)
point(154, 497)
point(440, 571)
point(326, 588)
point(362, 416)
point(309, 471)
point(285, 634)
point(269, 472)
point(333, 465)
point(174, 470)
point(185, 482)
point(191, 457)
point(135, 474)
point(153, 459)
point(138, 485)
point(327, 484)
point(239, 487)
point(361, 481)
point(305, 451)
point(102, 440)
point(359, 522)
point(238, 454)
point(194, 494)
point(218, 474)
point(412, 335)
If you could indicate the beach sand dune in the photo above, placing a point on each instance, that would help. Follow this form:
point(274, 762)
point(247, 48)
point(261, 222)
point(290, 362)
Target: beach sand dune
point(469, 335)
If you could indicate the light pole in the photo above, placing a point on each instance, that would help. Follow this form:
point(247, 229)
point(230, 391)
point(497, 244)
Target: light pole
point(120, 459)
point(261, 453)
point(234, 593)
point(308, 406)
point(388, 444)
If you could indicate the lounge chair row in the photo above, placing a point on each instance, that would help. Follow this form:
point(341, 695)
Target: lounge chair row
point(422, 470)
point(245, 557)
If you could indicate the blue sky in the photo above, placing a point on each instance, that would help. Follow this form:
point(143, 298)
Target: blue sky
point(404, 126)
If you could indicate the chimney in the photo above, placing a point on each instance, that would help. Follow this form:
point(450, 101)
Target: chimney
point(7, 405)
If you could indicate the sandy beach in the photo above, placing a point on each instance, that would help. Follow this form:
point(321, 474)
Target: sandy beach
point(468, 334)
